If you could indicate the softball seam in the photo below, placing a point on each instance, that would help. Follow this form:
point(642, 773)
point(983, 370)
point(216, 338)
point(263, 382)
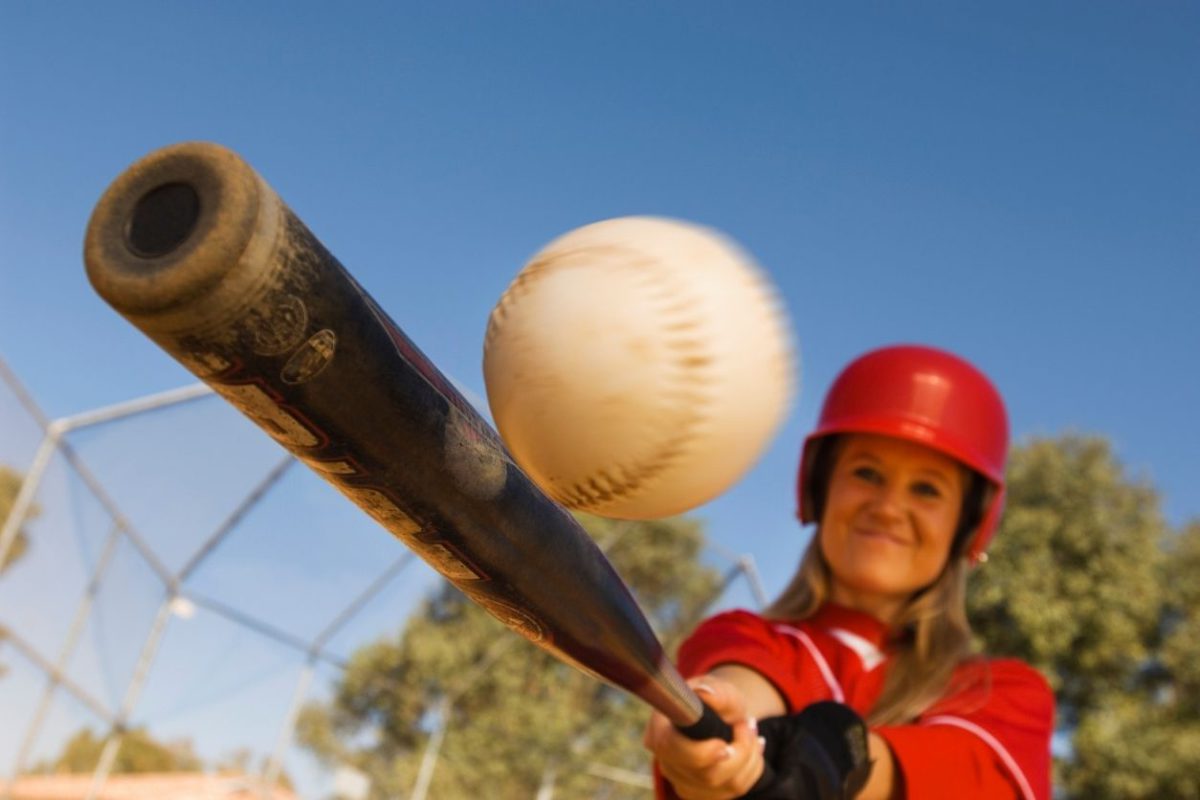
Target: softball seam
point(691, 360)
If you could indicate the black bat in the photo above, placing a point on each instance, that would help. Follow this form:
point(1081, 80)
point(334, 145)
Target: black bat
point(194, 248)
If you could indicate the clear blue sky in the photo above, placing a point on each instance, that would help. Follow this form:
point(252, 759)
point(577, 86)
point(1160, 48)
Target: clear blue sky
point(1019, 183)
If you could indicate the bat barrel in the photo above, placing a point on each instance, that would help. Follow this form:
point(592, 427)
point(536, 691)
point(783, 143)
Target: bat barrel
point(200, 254)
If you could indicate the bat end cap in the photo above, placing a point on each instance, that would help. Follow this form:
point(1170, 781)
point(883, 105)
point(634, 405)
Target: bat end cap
point(176, 227)
point(162, 220)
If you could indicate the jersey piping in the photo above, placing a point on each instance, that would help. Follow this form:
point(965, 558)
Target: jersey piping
point(991, 741)
point(822, 665)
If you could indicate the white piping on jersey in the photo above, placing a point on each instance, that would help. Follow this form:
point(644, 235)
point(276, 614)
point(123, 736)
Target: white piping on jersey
point(992, 742)
point(822, 665)
point(870, 655)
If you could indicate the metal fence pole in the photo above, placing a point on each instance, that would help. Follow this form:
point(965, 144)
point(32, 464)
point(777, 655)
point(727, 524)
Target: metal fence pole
point(54, 678)
point(21, 507)
point(750, 569)
point(138, 405)
point(49, 669)
point(618, 775)
point(29, 487)
point(140, 673)
point(546, 789)
point(275, 764)
point(432, 749)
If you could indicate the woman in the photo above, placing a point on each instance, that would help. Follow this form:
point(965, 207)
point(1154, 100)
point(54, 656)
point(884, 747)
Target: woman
point(905, 477)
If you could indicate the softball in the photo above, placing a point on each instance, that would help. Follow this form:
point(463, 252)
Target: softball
point(638, 367)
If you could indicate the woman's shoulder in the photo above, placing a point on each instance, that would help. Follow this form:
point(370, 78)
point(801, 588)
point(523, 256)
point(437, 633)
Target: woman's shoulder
point(1015, 672)
point(737, 635)
point(1006, 685)
point(778, 650)
point(732, 619)
point(746, 622)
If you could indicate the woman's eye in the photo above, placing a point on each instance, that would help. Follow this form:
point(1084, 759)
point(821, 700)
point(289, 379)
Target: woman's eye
point(868, 474)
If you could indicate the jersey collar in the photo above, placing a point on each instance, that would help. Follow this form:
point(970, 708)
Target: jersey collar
point(858, 624)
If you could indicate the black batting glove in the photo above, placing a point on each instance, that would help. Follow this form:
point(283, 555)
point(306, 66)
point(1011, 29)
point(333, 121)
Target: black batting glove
point(818, 754)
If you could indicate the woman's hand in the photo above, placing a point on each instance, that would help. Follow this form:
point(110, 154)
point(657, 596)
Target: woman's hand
point(710, 769)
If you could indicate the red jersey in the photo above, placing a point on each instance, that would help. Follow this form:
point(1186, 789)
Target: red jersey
point(988, 738)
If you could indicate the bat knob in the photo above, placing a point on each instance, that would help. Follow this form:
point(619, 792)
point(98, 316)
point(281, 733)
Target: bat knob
point(184, 238)
point(162, 220)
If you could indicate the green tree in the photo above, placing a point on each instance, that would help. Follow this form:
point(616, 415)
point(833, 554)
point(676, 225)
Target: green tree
point(139, 752)
point(1087, 583)
point(516, 715)
point(1145, 742)
point(10, 485)
point(1073, 584)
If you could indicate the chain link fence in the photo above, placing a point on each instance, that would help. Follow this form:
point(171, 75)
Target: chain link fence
point(170, 570)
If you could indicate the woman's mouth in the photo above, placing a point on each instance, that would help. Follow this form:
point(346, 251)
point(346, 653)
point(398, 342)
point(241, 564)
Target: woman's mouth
point(876, 534)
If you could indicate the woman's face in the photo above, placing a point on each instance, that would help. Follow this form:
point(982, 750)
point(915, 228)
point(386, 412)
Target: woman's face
point(891, 510)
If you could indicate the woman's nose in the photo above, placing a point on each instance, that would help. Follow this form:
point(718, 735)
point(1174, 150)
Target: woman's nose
point(888, 502)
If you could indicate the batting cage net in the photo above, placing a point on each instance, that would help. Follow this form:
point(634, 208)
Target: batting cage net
point(185, 611)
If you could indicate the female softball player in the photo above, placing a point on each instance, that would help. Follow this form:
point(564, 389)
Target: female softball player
point(859, 680)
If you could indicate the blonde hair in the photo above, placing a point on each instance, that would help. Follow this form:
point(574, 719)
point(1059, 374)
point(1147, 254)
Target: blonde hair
point(932, 634)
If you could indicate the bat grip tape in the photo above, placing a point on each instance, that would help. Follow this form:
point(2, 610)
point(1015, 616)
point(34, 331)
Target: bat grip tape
point(711, 726)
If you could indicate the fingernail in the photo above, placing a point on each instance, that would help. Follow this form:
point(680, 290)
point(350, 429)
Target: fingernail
point(727, 753)
point(753, 724)
point(703, 688)
point(762, 744)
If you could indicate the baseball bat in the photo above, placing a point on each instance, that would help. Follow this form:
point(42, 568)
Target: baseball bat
point(194, 248)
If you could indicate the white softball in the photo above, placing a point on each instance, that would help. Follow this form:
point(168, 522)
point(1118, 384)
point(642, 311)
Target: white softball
point(638, 367)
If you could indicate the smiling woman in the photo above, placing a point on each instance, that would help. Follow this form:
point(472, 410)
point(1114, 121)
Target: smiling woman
point(862, 671)
point(890, 517)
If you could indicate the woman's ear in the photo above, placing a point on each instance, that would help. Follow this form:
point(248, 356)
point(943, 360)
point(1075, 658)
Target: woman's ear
point(822, 473)
point(976, 497)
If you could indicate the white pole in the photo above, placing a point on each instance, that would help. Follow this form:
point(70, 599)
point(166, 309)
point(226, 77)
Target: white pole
point(750, 570)
point(104, 766)
point(140, 673)
point(546, 790)
point(432, 748)
point(136, 406)
point(275, 765)
point(618, 775)
point(29, 486)
point(54, 678)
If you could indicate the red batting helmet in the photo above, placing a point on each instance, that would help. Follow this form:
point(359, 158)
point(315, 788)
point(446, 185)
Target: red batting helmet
point(926, 396)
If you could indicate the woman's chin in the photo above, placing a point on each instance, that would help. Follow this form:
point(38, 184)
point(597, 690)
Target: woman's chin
point(867, 588)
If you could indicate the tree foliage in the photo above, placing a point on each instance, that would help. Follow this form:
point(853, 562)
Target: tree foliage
point(10, 486)
point(139, 752)
point(514, 715)
point(1087, 583)
point(1145, 741)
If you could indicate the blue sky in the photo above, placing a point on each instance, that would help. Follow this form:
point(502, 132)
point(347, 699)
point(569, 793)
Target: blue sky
point(1019, 183)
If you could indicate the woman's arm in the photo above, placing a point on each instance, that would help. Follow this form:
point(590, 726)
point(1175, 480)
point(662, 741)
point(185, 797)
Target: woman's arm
point(708, 771)
point(990, 741)
point(712, 769)
point(761, 697)
point(763, 700)
point(885, 782)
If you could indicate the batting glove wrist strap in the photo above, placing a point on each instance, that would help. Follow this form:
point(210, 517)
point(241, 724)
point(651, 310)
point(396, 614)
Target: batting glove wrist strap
point(818, 754)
